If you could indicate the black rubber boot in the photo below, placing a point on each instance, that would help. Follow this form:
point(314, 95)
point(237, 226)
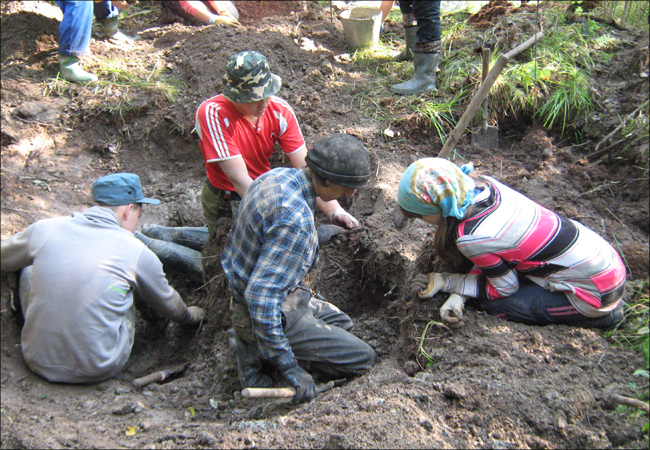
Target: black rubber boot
point(177, 258)
point(192, 237)
point(249, 363)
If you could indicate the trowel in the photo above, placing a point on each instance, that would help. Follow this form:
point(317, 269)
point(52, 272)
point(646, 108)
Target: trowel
point(485, 137)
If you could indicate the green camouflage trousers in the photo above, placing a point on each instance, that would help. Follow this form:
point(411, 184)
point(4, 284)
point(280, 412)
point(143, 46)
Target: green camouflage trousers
point(215, 205)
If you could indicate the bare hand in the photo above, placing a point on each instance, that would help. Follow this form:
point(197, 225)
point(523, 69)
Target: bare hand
point(120, 4)
point(196, 315)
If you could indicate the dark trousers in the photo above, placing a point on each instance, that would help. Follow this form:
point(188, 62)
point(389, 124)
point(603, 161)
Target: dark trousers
point(427, 15)
point(534, 305)
point(318, 333)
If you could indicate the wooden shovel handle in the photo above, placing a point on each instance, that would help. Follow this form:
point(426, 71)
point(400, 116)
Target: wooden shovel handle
point(482, 93)
point(268, 392)
point(155, 377)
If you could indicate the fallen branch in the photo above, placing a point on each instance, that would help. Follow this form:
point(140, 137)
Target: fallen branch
point(631, 402)
point(597, 150)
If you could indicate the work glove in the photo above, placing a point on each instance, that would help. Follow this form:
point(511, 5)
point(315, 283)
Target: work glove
point(343, 219)
point(452, 310)
point(327, 233)
point(226, 21)
point(427, 285)
point(301, 381)
point(196, 315)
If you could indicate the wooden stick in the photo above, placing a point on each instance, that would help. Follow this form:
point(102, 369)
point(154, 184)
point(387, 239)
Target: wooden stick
point(631, 402)
point(268, 392)
point(596, 151)
point(482, 94)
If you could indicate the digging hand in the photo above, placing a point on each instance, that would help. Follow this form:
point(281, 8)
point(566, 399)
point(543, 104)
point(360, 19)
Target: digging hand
point(301, 381)
point(121, 4)
point(196, 315)
point(452, 310)
point(427, 285)
point(329, 233)
point(226, 21)
point(343, 219)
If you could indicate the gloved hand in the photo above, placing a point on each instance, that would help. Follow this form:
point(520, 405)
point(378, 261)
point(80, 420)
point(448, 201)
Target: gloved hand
point(302, 382)
point(453, 305)
point(196, 315)
point(427, 285)
point(227, 21)
point(327, 233)
point(343, 219)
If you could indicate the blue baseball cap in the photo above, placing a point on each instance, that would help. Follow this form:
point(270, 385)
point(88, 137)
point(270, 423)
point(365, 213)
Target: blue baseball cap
point(120, 189)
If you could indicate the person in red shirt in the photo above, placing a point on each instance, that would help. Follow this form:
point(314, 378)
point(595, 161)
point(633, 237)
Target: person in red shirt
point(200, 12)
point(238, 130)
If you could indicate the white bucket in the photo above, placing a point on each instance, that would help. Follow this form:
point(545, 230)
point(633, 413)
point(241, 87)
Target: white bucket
point(361, 27)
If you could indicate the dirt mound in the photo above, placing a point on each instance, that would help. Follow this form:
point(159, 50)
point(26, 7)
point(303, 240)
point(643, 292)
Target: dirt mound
point(489, 384)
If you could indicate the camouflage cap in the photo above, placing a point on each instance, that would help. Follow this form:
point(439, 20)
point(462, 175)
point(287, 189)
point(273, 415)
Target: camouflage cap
point(250, 78)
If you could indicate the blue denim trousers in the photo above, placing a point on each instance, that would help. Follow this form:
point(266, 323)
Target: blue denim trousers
point(534, 305)
point(427, 15)
point(76, 27)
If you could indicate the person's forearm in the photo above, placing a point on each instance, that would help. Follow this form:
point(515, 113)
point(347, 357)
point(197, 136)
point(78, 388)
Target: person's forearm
point(197, 9)
point(327, 207)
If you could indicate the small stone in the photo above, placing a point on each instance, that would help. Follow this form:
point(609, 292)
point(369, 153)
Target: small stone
point(455, 391)
point(411, 368)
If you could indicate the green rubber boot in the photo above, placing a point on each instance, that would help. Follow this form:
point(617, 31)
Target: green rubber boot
point(249, 363)
point(108, 29)
point(424, 76)
point(410, 38)
point(72, 71)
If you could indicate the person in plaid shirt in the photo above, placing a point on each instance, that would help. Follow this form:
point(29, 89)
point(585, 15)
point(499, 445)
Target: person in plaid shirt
point(272, 246)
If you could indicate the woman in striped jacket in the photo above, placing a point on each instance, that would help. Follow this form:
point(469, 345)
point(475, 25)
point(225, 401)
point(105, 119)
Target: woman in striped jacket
point(530, 265)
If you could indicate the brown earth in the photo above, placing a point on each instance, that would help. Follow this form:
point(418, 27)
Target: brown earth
point(492, 384)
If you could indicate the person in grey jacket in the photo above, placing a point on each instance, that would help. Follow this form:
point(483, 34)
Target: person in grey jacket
point(80, 277)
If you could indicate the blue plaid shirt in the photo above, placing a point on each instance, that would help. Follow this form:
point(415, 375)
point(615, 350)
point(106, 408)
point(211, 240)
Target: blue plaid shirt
point(272, 246)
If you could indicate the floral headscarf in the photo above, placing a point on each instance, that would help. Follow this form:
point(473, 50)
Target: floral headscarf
point(431, 185)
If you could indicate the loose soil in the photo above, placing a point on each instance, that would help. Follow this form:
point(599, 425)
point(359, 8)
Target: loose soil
point(492, 384)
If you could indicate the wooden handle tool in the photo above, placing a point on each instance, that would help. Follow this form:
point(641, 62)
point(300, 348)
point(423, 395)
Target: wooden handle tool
point(268, 392)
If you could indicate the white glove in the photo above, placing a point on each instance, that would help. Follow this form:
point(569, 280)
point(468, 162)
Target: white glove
point(227, 21)
point(196, 315)
point(453, 305)
point(427, 285)
point(344, 219)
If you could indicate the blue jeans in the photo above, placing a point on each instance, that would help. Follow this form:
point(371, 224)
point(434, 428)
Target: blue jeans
point(534, 305)
point(76, 26)
point(427, 14)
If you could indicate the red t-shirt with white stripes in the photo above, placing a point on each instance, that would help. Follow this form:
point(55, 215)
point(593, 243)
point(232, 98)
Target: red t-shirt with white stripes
point(224, 133)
